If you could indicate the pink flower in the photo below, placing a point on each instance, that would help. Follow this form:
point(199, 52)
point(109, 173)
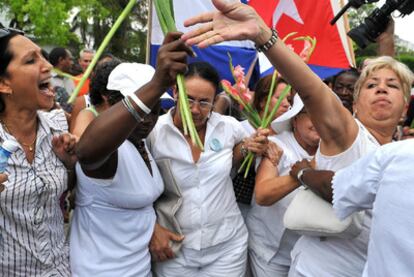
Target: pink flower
point(247, 96)
point(229, 88)
point(238, 73)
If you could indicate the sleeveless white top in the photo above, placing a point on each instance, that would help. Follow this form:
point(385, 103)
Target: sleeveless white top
point(114, 219)
point(312, 256)
point(267, 234)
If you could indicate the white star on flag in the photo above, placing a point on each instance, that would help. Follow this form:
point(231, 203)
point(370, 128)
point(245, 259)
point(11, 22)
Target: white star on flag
point(289, 8)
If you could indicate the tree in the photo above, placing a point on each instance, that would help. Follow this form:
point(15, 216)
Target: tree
point(81, 23)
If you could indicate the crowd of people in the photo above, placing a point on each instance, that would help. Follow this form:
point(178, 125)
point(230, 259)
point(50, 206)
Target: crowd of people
point(146, 201)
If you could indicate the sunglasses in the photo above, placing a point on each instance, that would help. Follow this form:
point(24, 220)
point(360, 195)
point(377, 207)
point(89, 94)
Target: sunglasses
point(4, 32)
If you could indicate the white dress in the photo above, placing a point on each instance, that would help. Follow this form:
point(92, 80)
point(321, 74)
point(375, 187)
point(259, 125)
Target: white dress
point(382, 181)
point(270, 243)
point(332, 257)
point(114, 219)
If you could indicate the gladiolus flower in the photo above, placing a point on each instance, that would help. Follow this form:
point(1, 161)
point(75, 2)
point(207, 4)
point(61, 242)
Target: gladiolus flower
point(306, 51)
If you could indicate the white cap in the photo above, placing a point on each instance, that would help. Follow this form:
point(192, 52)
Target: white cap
point(282, 123)
point(129, 77)
point(10, 145)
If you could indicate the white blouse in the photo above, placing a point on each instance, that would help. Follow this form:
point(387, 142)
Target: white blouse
point(265, 224)
point(382, 181)
point(209, 214)
point(313, 256)
point(114, 219)
point(32, 240)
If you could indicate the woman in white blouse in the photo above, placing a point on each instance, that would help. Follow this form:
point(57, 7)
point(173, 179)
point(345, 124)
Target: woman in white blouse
point(215, 237)
point(379, 99)
point(270, 243)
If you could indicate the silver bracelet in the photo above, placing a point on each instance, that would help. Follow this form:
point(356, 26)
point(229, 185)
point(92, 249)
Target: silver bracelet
point(131, 110)
point(272, 40)
point(140, 104)
point(300, 176)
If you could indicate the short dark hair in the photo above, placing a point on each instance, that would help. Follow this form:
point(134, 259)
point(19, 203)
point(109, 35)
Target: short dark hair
point(351, 71)
point(262, 89)
point(56, 54)
point(205, 71)
point(99, 81)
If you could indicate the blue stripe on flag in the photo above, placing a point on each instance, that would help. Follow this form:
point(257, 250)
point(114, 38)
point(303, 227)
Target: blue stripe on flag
point(322, 71)
point(217, 56)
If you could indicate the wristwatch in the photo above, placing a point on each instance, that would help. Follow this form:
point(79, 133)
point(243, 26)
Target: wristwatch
point(300, 175)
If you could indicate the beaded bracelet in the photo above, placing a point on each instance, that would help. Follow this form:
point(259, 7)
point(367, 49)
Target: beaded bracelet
point(131, 110)
point(272, 40)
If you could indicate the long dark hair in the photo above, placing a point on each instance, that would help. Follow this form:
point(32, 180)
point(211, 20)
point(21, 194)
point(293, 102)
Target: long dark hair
point(6, 56)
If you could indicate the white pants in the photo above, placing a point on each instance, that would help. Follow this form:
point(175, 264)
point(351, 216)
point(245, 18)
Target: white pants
point(227, 259)
point(261, 268)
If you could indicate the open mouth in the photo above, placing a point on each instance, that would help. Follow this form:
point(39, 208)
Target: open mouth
point(45, 88)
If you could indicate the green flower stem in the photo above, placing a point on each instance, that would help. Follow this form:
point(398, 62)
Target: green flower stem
point(282, 96)
point(270, 95)
point(101, 48)
point(63, 74)
point(165, 13)
point(249, 164)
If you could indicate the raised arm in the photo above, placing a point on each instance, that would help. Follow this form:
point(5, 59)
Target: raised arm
point(105, 134)
point(236, 21)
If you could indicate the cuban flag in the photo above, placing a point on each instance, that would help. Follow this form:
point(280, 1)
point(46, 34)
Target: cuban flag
point(243, 52)
point(333, 51)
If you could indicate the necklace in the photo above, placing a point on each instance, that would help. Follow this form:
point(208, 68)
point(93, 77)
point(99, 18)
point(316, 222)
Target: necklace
point(28, 145)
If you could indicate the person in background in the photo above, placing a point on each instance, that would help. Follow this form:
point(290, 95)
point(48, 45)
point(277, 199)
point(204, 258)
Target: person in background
point(244, 187)
point(85, 58)
point(343, 85)
point(82, 102)
point(31, 222)
point(62, 60)
point(270, 243)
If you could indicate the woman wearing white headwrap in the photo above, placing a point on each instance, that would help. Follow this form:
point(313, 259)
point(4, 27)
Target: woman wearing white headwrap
point(117, 180)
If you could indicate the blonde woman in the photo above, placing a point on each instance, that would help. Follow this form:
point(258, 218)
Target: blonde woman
point(379, 100)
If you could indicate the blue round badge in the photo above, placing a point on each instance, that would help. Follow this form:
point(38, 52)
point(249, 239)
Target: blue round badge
point(215, 145)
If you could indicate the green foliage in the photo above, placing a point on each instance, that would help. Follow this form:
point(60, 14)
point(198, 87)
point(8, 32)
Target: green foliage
point(407, 59)
point(81, 23)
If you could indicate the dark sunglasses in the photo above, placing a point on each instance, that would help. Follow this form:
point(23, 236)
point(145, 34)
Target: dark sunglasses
point(4, 32)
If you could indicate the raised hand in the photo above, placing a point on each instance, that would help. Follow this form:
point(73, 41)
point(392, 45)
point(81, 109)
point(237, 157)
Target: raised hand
point(232, 21)
point(171, 60)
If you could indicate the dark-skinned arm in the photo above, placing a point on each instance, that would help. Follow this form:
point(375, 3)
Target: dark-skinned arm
point(97, 147)
point(319, 181)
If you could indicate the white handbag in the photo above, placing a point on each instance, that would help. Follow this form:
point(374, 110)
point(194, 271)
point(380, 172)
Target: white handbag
point(310, 215)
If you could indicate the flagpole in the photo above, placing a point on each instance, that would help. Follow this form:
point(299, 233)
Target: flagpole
point(346, 24)
point(149, 33)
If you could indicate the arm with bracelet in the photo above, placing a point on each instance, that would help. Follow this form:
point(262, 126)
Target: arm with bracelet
point(110, 129)
point(319, 181)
